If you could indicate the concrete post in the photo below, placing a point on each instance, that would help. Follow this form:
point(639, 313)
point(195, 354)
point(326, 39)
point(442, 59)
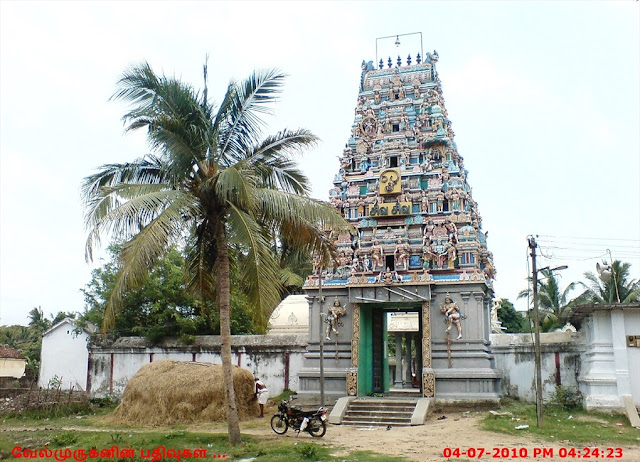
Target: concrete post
point(398, 378)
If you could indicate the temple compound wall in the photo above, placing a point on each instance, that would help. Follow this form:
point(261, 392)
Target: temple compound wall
point(561, 354)
point(602, 359)
point(417, 247)
point(276, 359)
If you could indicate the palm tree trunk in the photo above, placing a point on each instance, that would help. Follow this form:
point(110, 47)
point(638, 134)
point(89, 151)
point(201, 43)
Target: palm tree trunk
point(223, 291)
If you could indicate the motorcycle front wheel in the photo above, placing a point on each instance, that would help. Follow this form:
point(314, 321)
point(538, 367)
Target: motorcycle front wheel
point(279, 425)
point(317, 428)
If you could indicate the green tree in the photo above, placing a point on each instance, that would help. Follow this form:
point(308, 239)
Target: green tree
point(511, 320)
point(553, 303)
point(161, 307)
point(37, 320)
point(617, 287)
point(26, 340)
point(212, 181)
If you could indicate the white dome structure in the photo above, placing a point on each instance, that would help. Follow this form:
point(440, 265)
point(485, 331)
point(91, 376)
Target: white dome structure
point(291, 316)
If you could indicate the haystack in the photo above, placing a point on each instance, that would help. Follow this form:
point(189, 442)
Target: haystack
point(166, 392)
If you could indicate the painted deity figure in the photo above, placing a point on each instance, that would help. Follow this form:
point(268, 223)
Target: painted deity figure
point(364, 163)
point(402, 254)
point(388, 276)
point(440, 201)
point(366, 263)
point(333, 318)
point(425, 202)
point(356, 264)
point(397, 89)
point(455, 200)
point(427, 255)
point(451, 254)
point(377, 255)
point(428, 232)
point(452, 315)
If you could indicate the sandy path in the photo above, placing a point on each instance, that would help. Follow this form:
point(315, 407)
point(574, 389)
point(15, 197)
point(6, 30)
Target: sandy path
point(427, 442)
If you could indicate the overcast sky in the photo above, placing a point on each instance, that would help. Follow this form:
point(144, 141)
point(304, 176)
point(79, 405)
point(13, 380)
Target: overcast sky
point(543, 97)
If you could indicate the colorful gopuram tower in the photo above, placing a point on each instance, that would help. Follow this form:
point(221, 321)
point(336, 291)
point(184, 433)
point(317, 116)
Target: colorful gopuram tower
point(418, 249)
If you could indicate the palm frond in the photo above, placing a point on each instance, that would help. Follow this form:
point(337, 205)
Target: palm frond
point(125, 218)
point(138, 85)
point(272, 161)
point(290, 279)
point(149, 170)
point(241, 122)
point(140, 253)
point(260, 271)
point(200, 259)
point(236, 185)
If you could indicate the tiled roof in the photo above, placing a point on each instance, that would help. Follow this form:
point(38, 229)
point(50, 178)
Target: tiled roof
point(6, 352)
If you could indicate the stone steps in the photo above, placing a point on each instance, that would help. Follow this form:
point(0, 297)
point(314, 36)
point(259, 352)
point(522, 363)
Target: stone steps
point(379, 412)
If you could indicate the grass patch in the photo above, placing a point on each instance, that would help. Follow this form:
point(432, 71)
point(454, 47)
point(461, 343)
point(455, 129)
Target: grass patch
point(262, 448)
point(77, 415)
point(563, 426)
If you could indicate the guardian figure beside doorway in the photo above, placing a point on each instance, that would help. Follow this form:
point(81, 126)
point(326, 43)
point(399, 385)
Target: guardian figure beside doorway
point(333, 318)
point(452, 315)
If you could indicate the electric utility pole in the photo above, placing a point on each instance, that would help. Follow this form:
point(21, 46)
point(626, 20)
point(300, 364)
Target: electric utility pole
point(321, 303)
point(536, 314)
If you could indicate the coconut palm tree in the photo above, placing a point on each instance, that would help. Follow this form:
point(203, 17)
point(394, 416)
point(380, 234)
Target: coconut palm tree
point(554, 304)
point(37, 320)
point(617, 289)
point(211, 182)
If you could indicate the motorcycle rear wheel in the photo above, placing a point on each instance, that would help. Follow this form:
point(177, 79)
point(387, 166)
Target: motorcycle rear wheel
point(279, 425)
point(317, 428)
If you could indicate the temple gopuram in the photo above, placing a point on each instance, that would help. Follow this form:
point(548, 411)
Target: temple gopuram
point(406, 307)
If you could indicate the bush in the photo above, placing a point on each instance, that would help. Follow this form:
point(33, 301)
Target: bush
point(308, 451)
point(64, 439)
point(567, 398)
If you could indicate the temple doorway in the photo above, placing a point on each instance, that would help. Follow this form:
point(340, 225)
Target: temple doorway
point(390, 350)
point(404, 350)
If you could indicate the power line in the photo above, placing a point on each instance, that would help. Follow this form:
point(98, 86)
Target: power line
point(589, 238)
point(615, 246)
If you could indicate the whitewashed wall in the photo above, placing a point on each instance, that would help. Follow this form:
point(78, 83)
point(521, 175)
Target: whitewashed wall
point(585, 360)
point(611, 369)
point(64, 355)
point(266, 356)
point(11, 367)
point(515, 358)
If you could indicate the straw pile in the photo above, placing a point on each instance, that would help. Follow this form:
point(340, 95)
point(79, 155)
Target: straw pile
point(166, 392)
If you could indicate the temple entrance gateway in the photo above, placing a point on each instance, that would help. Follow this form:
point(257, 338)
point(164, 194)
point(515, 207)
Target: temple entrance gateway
point(390, 350)
point(417, 252)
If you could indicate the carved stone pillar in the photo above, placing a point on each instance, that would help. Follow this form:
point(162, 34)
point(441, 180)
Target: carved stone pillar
point(398, 375)
point(352, 373)
point(428, 376)
point(407, 373)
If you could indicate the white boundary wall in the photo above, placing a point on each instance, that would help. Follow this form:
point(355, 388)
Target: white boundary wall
point(584, 360)
point(515, 358)
point(276, 359)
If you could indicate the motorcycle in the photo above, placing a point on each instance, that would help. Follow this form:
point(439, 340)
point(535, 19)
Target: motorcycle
point(314, 422)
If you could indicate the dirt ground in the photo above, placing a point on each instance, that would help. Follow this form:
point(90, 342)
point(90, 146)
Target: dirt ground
point(427, 442)
point(423, 443)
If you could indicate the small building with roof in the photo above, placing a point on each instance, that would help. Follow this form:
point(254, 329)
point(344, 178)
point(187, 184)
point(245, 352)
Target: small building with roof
point(64, 356)
point(12, 363)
